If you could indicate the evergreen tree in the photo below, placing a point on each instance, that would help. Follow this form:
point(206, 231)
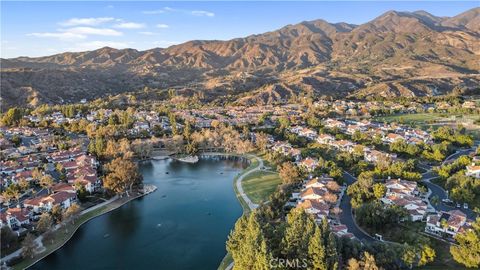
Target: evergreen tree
point(316, 251)
point(300, 228)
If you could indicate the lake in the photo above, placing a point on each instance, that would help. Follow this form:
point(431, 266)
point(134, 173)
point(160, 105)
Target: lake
point(182, 225)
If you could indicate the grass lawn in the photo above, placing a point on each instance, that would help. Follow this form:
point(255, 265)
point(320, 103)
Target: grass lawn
point(417, 118)
point(259, 185)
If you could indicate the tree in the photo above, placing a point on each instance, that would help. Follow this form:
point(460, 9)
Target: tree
point(12, 193)
point(247, 244)
point(46, 182)
point(57, 213)
point(29, 245)
point(467, 252)
point(48, 236)
point(409, 256)
point(435, 200)
point(379, 190)
point(81, 191)
point(289, 173)
point(122, 175)
point(72, 212)
point(23, 184)
point(316, 251)
point(261, 141)
point(366, 263)
point(427, 254)
point(12, 116)
point(299, 230)
point(8, 237)
point(44, 223)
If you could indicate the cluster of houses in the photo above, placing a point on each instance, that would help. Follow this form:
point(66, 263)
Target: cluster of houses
point(237, 115)
point(352, 108)
point(388, 133)
point(405, 194)
point(443, 224)
point(70, 170)
point(447, 224)
point(320, 196)
point(286, 149)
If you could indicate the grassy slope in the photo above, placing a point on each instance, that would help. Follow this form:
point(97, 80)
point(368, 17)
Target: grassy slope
point(260, 185)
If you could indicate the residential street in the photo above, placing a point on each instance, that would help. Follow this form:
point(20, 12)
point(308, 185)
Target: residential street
point(346, 217)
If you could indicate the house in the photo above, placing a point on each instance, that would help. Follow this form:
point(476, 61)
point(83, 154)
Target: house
point(374, 156)
point(447, 223)
point(45, 203)
point(91, 183)
point(309, 164)
point(392, 137)
point(401, 188)
point(343, 145)
point(313, 194)
point(15, 217)
point(323, 183)
point(332, 123)
point(415, 207)
point(325, 138)
point(315, 207)
point(63, 187)
point(473, 171)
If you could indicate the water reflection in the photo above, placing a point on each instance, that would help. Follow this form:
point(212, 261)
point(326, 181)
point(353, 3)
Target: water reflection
point(183, 225)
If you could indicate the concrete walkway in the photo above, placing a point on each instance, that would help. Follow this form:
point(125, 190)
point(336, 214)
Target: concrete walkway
point(38, 240)
point(238, 183)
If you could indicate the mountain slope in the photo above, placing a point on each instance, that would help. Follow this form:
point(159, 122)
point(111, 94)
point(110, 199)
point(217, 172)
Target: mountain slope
point(417, 52)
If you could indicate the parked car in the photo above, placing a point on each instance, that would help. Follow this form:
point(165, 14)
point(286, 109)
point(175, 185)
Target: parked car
point(465, 206)
point(447, 200)
point(458, 205)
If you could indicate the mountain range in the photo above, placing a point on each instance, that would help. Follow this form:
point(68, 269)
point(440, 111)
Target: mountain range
point(395, 54)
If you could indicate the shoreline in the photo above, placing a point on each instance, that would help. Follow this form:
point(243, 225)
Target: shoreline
point(151, 188)
point(237, 181)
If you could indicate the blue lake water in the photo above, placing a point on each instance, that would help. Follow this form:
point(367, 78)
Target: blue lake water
point(183, 225)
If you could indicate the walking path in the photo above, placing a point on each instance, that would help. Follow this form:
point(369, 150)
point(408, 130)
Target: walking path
point(38, 240)
point(40, 248)
point(238, 183)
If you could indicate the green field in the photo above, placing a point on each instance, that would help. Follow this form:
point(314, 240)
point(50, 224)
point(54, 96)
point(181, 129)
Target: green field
point(428, 120)
point(258, 186)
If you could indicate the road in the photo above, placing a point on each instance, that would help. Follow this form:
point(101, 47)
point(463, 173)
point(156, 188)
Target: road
point(441, 193)
point(346, 217)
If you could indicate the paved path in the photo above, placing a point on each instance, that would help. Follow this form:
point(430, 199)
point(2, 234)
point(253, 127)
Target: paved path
point(238, 183)
point(18, 252)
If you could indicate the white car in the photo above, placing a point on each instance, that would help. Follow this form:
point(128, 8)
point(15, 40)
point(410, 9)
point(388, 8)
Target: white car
point(465, 206)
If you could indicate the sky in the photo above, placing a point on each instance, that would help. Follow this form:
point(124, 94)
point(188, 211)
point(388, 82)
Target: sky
point(38, 28)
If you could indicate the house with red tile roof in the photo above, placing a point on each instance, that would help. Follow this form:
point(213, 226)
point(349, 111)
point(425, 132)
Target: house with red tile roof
point(315, 207)
point(447, 224)
point(45, 203)
point(309, 164)
point(15, 217)
point(473, 171)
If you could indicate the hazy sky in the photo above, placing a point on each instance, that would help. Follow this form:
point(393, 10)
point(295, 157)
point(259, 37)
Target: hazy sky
point(44, 28)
